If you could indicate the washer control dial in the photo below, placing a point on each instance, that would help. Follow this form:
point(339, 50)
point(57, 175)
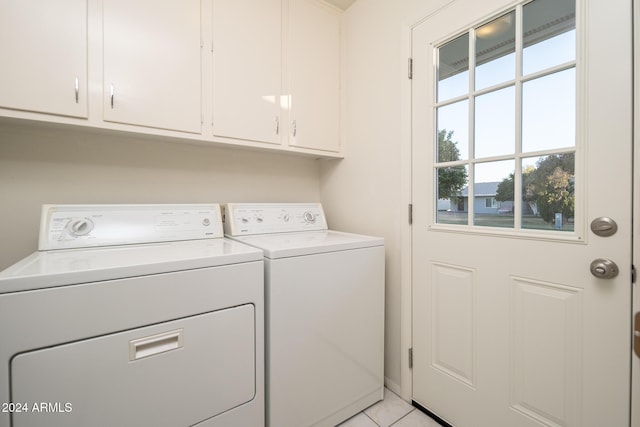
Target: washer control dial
point(267, 218)
point(309, 217)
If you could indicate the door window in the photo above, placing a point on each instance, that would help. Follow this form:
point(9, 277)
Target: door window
point(506, 121)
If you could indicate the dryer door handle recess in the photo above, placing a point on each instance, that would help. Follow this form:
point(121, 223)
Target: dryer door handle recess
point(155, 344)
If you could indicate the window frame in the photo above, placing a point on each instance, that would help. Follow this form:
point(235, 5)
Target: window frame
point(518, 156)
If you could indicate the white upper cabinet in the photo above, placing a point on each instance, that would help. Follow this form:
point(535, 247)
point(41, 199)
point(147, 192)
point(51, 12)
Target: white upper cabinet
point(247, 69)
point(152, 64)
point(277, 80)
point(43, 46)
point(256, 73)
point(314, 75)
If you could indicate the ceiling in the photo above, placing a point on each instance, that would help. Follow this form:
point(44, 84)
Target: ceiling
point(342, 4)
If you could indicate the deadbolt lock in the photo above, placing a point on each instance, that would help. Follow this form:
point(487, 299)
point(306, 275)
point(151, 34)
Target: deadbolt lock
point(604, 226)
point(604, 268)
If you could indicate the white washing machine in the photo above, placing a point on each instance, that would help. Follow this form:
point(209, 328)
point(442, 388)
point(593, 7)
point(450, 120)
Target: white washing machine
point(324, 297)
point(133, 315)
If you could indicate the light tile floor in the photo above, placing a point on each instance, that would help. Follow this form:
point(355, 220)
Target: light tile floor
point(392, 411)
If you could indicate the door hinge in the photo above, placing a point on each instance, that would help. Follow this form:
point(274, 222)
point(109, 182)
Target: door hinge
point(410, 214)
point(633, 274)
point(411, 358)
point(410, 66)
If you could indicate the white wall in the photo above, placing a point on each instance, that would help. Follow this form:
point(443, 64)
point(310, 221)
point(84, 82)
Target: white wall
point(53, 165)
point(364, 192)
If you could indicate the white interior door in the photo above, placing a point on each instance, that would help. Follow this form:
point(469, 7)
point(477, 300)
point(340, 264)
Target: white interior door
point(522, 137)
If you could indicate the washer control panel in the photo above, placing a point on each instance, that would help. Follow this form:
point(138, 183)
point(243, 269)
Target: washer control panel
point(263, 218)
point(81, 226)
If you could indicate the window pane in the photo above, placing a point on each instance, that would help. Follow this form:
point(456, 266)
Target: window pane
point(452, 206)
point(530, 119)
point(453, 132)
point(548, 194)
point(549, 112)
point(495, 122)
point(495, 52)
point(549, 36)
point(453, 68)
point(493, 194)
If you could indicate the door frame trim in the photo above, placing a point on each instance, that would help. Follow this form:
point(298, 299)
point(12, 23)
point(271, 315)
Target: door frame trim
point(635, 364)
point(406, 250)
point(405, 388)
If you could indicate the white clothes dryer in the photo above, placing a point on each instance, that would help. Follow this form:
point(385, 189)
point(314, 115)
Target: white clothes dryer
point(324, 296)
point(133, 315)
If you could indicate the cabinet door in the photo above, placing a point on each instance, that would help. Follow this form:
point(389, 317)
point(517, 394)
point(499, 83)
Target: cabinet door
point(152, 63)
point(247, 69)
point(314, 82)
point(43, 46)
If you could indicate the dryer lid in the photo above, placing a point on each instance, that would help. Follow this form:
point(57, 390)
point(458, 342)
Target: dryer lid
point(46, 269)
point(90, 243)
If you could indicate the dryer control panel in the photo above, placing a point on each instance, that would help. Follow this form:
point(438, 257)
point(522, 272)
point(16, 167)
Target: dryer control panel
point(243, 219)
point(82, 226)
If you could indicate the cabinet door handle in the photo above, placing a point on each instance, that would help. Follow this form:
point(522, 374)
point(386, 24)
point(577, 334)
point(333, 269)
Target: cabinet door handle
point(294, 128)
point(77, 87)
point(277, 125)
point(112, 95)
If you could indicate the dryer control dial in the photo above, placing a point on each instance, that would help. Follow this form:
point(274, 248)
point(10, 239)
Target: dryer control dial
point(80, 226)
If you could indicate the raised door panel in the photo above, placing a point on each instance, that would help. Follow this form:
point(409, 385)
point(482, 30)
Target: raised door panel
point(43, 46)
point(152, 64)
point(314, 75)
point(247, 67)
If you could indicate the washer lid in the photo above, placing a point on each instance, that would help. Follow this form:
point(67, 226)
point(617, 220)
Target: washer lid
point(284, 245)
point(52, 268)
